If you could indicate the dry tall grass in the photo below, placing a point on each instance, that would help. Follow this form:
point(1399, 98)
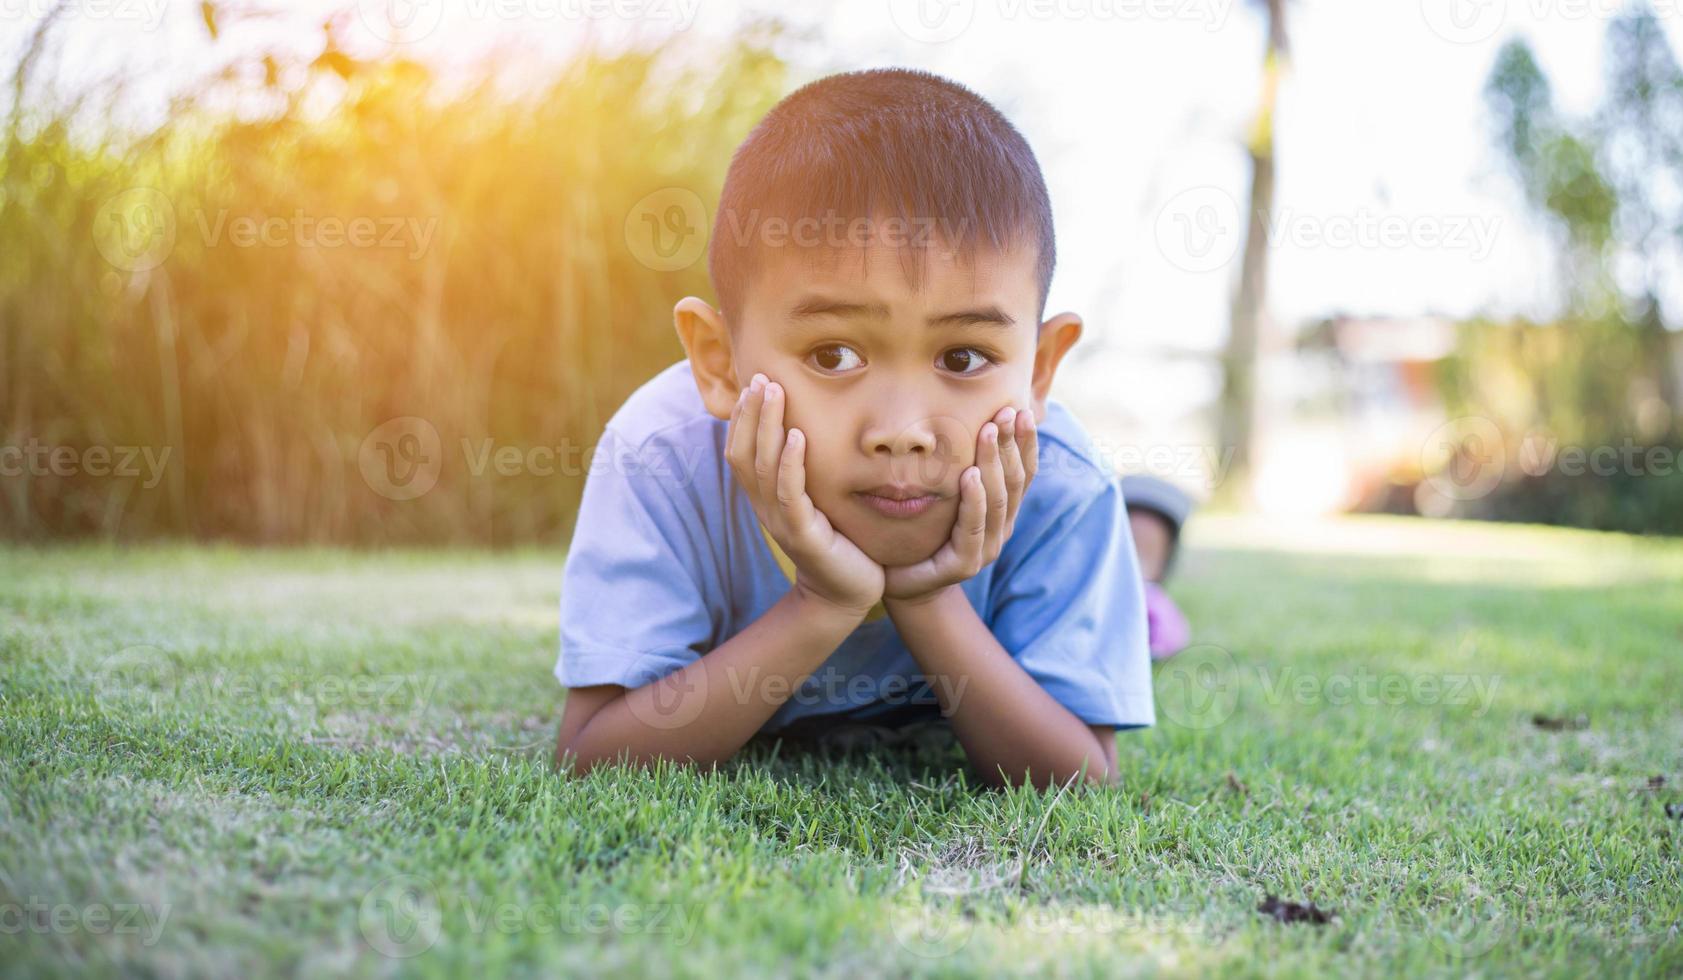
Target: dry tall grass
point(406, 249)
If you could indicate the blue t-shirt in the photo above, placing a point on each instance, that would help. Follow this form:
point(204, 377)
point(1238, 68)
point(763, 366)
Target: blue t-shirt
point(669, 561)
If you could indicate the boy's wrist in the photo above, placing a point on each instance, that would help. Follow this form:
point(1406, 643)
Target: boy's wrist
point(826, 609)
point(933, 599)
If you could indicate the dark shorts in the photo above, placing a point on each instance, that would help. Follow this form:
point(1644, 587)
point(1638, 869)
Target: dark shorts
point(911, 727)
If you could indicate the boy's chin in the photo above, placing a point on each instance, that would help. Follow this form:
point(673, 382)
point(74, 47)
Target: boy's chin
point(890, 542)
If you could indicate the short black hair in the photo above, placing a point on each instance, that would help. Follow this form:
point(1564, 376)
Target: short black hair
point(889, 143)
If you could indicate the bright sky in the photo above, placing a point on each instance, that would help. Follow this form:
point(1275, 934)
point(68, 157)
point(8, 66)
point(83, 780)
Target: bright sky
point(1390, 198)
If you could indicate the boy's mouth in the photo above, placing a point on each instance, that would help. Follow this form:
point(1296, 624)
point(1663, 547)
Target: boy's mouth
point(898, 499)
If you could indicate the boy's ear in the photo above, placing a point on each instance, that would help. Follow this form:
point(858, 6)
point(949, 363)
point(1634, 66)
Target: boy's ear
point(1057, 336)
point(706, 340)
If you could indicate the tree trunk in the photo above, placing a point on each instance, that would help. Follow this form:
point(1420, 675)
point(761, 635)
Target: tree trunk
point(1238, 407)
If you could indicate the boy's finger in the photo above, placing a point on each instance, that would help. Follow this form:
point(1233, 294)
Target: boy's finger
point(791, 483)
point(741, 449)
point(993, 481)
point(1012, 457)
point(769, 442)
point(971, 529)
point(1028, 441)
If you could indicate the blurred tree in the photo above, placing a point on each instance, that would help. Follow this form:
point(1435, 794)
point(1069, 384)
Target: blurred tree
point(1610, 184)
point(1604, 376)
point(1642, 128)
point(1237, 420)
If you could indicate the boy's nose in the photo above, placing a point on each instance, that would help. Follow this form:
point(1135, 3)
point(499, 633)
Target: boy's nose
point(917, 437)
point(933, 443)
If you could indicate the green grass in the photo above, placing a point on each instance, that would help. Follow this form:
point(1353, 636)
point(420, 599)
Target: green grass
point(286, 762)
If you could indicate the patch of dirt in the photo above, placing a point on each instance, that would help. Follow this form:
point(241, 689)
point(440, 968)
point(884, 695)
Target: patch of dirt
point(1281, 910)
point(1561, 723)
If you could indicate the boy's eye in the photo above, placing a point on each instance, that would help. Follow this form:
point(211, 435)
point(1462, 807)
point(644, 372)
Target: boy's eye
point(836, 357)
point(964, 360)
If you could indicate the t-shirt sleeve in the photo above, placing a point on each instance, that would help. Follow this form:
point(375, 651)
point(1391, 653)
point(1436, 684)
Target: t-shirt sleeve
point(1070, 608)
point(634, 606)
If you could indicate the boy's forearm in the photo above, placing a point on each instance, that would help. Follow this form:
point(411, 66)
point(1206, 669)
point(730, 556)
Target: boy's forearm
point(1009, 726)
point(706, 711)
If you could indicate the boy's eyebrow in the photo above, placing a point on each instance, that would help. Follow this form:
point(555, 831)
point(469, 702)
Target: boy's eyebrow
point(985, 316)
point(813, 307)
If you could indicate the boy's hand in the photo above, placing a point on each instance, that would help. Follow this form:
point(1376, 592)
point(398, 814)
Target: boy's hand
point(1007, 453)
point(771, 464)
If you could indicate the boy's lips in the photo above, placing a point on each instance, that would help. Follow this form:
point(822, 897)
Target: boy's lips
point(898, 499)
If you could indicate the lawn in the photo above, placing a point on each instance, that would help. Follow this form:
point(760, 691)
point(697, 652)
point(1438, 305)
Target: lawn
point(1459, 739)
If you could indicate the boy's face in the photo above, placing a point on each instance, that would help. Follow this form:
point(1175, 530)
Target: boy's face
point(891, 383)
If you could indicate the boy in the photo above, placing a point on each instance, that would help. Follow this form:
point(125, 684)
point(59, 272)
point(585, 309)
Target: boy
point(853, 501)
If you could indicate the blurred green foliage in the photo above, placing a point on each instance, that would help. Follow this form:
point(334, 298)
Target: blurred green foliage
point(1607, 373)
point(499, 299)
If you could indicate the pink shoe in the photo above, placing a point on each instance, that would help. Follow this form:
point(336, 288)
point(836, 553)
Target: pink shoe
point(1166, 625)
